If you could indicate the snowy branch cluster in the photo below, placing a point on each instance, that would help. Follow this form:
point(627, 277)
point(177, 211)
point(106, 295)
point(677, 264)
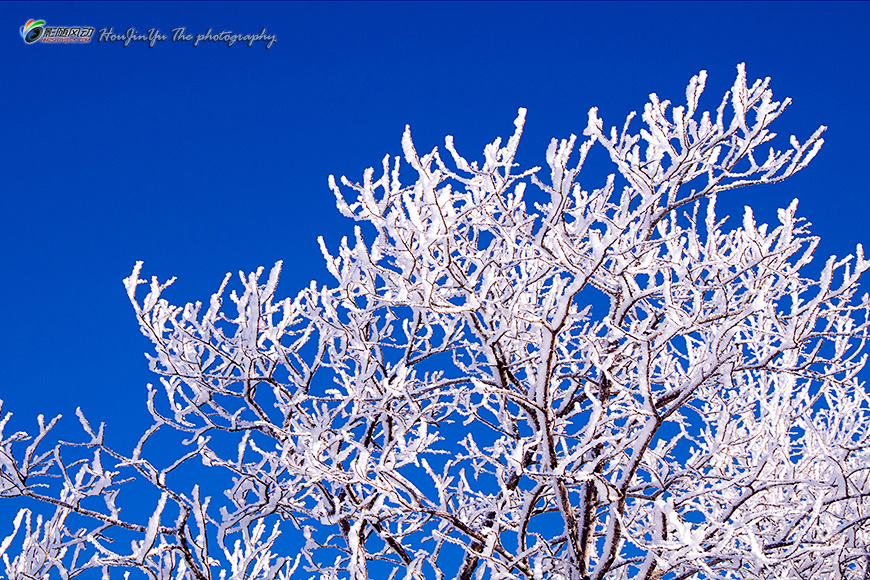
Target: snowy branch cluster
point(608, 385)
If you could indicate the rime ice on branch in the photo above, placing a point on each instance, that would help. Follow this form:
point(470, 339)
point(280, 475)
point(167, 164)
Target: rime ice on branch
point(612, 386)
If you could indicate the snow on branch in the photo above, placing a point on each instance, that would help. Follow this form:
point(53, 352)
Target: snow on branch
point(510, 376)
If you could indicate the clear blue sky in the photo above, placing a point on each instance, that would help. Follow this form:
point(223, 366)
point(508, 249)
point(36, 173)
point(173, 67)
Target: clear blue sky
point(211, 159)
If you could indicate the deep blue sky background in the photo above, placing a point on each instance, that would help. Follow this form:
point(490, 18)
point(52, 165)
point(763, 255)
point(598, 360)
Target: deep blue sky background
point(205, 160)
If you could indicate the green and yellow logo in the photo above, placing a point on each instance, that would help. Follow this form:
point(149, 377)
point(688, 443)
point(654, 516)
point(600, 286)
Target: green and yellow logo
point(32, 31)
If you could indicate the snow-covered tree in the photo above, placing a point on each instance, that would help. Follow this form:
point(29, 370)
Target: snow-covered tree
point(611, 384)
